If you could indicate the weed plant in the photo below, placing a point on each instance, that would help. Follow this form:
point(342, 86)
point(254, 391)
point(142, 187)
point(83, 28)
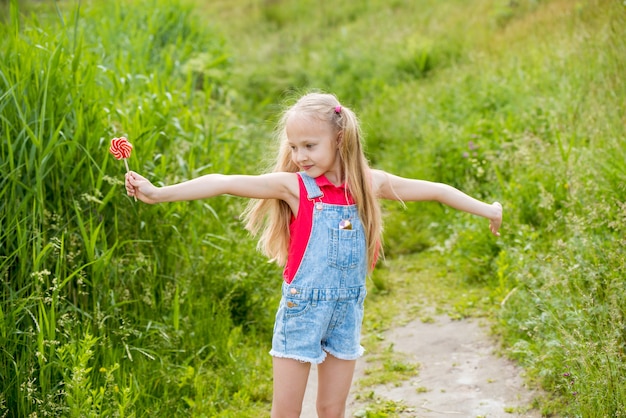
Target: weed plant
point(110, 307)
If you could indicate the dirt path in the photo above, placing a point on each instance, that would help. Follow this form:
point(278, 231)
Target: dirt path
point(459, 376)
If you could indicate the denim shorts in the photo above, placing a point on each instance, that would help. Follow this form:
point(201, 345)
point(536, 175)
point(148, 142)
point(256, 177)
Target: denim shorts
point(313, 322)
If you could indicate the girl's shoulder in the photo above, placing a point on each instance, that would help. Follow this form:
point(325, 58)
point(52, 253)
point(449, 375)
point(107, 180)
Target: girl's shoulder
point(379, 179)
point(289, 181)
point(286, 179)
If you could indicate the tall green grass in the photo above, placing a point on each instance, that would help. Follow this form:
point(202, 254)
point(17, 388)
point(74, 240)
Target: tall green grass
point(109, 307)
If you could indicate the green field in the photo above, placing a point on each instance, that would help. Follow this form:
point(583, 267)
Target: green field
point(110, 307)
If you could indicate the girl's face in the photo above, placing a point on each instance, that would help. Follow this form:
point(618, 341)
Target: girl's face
point(314, 147)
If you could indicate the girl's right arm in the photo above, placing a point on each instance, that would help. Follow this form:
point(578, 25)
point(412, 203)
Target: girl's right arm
point(282, 186)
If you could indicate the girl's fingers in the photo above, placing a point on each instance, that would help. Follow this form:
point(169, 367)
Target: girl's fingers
point(496, 223)
point(130, 187)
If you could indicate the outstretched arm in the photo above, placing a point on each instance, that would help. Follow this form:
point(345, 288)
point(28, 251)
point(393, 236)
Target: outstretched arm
point(282, 186)
point(392, 187)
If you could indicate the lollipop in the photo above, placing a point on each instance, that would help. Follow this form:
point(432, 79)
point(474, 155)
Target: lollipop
point(121, 148)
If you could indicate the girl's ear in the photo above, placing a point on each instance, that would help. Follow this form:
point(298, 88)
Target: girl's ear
point(339, 138)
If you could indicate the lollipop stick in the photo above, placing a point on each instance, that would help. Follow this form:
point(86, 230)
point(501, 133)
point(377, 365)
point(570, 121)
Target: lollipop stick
point(127, 170)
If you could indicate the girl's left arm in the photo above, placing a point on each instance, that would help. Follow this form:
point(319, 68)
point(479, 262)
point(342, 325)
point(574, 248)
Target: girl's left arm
point(389, 186)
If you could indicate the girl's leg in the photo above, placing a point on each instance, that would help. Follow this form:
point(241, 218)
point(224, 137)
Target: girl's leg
point(290, 378)
point(334, 381)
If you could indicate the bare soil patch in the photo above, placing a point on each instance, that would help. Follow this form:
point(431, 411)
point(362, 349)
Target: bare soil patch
point(460, 375)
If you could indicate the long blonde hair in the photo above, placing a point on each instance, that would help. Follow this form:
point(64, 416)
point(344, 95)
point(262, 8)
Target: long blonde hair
point(271, 217)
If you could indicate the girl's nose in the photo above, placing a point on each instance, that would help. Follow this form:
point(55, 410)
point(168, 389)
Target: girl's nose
point(301, 155)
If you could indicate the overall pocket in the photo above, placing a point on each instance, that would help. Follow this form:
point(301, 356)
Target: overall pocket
point(293, 307)
point(343, 248)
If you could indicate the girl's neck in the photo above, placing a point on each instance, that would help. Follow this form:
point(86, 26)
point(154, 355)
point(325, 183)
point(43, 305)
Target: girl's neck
point(335, 177)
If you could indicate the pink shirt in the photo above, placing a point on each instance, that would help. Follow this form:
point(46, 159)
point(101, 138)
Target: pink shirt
point(300, 226)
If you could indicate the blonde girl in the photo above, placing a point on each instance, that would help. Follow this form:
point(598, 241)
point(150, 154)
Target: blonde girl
point(317, 215)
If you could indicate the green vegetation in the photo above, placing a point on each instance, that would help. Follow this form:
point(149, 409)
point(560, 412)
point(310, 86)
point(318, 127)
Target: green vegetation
point(110, 307)
point(114, 308)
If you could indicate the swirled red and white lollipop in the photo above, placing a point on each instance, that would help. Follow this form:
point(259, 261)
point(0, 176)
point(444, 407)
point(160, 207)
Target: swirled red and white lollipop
point(120, 148)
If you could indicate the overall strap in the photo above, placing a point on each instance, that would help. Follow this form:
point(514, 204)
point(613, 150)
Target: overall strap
point(312, 189)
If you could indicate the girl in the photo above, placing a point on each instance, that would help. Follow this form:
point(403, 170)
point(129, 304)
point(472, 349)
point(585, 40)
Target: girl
point(318, 215)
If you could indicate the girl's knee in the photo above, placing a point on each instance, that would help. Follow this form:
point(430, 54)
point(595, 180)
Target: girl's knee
point(331, 411)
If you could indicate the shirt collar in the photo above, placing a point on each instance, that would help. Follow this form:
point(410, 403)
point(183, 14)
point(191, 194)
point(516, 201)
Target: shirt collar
point(322, 181)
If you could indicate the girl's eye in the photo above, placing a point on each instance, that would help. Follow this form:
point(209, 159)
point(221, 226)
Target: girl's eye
point(309, 146)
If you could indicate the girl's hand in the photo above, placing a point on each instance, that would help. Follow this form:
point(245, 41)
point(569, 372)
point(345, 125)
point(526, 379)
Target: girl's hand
point(141, 188)
point(496, 221)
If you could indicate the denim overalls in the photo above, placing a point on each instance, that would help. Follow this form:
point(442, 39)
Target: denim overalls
point(321, 310)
